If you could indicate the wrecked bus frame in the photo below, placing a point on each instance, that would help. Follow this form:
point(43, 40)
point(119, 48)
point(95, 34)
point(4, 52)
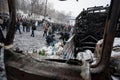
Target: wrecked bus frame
point(24, 67)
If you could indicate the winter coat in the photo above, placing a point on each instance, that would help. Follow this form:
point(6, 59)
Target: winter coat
point(33, 27)
point(45, 27)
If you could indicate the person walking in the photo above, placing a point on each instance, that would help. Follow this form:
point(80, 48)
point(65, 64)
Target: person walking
point(33, 29)
point(18, 25)
point(45, 29)
point(24, 24)
point(28, 24)
point(50, 29)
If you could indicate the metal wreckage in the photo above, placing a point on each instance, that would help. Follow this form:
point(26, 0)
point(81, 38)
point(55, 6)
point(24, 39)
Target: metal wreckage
point(89, 28)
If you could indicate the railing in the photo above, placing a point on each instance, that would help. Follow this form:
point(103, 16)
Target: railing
point(68, 50)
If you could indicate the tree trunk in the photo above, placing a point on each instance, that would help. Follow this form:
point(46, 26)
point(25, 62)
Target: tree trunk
point(11, 31)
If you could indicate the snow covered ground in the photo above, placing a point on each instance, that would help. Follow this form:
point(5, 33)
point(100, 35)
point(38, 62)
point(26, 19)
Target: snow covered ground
point(27, 43)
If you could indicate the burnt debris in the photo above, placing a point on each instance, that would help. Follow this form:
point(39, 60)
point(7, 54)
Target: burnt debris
point(89, 27)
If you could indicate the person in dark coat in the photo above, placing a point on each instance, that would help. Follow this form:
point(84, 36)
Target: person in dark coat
point(18, 25)
point(24, 24)
point(33, 29)
point(45, 29)
point(50, 39)
point(64, 36)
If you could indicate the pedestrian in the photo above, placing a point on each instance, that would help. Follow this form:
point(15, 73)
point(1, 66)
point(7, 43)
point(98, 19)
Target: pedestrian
point(33, 29)
point(24, 25)
point(50, 39)
point(64, 36)
point(18, 25)
point(50, 29)
point(27, 26)
point(53, 28)
point(45, 29)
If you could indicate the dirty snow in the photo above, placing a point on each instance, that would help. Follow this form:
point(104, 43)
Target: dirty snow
point(27, 43)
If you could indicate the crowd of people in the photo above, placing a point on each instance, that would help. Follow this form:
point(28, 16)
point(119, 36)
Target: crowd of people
point(49, 29)
point(61, 29)
point(27, 25)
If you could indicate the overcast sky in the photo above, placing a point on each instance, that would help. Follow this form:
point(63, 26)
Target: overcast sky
point(76, 7)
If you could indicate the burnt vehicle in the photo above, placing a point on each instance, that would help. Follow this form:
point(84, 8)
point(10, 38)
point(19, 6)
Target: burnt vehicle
point(89, 27)
point(25, 67)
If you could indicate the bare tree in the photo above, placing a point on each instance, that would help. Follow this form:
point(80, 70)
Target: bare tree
point(18, 3)
point(38, 7)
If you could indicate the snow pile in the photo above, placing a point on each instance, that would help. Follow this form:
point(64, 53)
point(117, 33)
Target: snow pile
point(86, 55)
point(53, 52)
